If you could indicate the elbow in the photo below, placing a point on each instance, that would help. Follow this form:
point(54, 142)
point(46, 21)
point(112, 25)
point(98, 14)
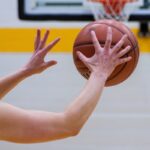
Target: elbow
point(74, 132)
point(73, 127)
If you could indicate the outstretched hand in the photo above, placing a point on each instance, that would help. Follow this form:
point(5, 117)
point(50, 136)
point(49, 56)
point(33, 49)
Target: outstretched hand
point(36, 63)
point(105, 59)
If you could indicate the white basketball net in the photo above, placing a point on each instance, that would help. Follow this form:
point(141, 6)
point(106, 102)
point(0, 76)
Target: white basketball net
point(113, 9)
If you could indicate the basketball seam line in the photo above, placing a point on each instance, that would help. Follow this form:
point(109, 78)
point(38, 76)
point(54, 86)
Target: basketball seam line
point(134, 47)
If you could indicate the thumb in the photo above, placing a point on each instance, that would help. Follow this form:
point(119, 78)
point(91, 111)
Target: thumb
point(82, 57)
point(50, 63)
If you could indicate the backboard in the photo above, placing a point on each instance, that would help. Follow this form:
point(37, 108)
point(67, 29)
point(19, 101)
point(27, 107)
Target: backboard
point(77, 10)
point(54, 10)
point(64, 9)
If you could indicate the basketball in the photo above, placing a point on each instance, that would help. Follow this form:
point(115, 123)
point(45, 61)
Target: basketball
point(83, 43)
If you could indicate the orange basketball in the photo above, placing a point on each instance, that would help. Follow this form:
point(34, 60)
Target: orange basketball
point(83, 43)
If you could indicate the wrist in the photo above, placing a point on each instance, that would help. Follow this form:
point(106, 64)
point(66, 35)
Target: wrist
point(25, 72)
point(100, 76)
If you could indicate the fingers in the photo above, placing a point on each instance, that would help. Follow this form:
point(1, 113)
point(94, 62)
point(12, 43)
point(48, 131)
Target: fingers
point(37, 39)
point(119, 44)
point(124, 60)
point(124, 51)
point(50, 46)
point(82, 57)
point(95, 41)
point(49, 64)
point(43, 41)
point(121, 54)
point(108, 40)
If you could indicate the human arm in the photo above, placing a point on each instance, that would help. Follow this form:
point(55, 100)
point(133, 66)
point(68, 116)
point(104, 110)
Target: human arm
point(101, 65)
point(29, 126)
point(25, 126)
point(35, 65)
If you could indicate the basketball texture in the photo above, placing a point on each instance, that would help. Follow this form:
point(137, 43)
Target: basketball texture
point(83, 43)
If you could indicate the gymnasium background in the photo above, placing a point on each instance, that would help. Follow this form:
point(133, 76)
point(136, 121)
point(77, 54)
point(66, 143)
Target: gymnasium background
point(121, 121)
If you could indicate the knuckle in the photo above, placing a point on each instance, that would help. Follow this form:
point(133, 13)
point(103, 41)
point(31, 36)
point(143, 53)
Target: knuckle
point(121, 42)
point(109, 40)
point(39, 54)
point(42, 41)
point(117, 47)
point(114, 58)
point(124, 60)
point(124, 37)
point(125, 51)
point(122, 52)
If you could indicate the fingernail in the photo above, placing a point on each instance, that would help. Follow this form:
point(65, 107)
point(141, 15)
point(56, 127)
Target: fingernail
point(38, 30)
point(92, 32)
point(130, 58)
point(55, 62)
point(129, 47)
point(58, 38)
point(47, 30)
point(78, 53)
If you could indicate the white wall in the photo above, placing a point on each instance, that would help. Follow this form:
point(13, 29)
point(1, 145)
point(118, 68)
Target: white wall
point(9, 18)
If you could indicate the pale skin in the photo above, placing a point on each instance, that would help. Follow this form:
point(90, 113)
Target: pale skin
point(29, 126)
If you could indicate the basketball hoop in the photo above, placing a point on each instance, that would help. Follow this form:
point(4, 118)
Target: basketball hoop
point(113, 9)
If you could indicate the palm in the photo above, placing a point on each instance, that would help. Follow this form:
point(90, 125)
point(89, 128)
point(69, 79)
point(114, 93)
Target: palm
point(37, 64)
point(105, 59)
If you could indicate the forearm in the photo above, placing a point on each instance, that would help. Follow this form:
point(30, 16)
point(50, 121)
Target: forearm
point(36, 126)
point(80, 110)
point(25, 126)
point(9, 82)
